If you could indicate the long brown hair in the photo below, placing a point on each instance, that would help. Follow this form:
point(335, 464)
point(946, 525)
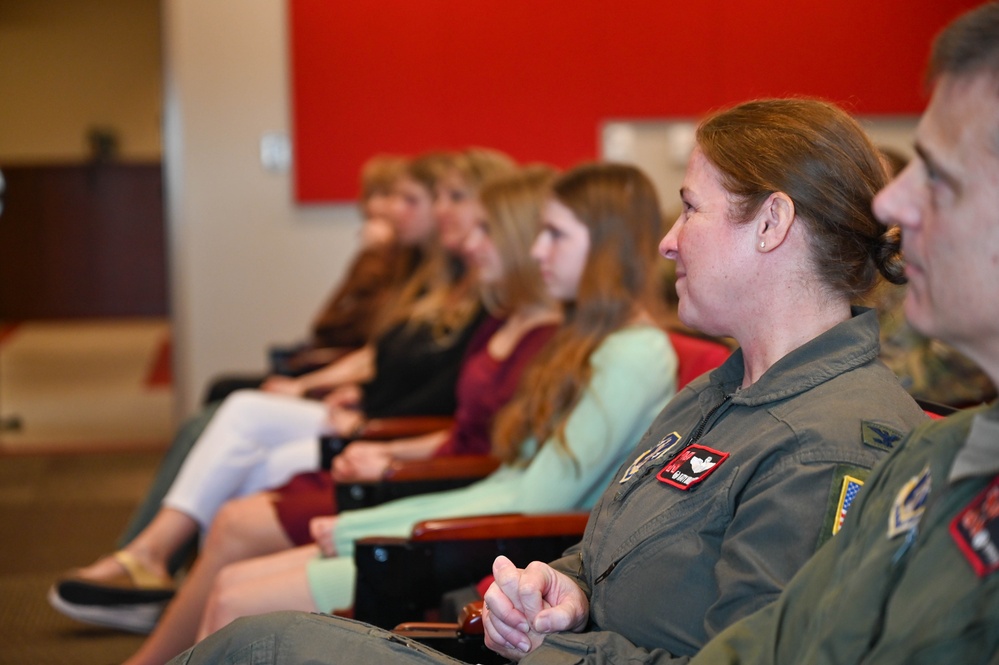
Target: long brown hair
point(618, 205)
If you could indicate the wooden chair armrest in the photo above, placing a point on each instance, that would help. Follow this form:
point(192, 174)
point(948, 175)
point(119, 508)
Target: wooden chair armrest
point(315, 358)
point(463, 641)
point(470, 618)
point(384, 429)
point(469, 623)
point(482, 527)
point(404, 479)
point(431, 627)
point(441, 468)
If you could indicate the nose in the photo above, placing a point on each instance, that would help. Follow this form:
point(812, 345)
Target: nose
point(440, 207)
point(396, 209)
point(899, 202)
point(472, 240)
point(668, 245)
point(539, 248)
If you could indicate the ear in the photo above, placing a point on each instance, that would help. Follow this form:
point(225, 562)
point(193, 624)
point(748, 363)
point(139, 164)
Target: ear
point(773, 221)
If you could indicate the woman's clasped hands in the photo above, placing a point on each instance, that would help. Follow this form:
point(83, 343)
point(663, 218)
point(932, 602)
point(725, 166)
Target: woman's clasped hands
point(321, 530)
point(523, 605)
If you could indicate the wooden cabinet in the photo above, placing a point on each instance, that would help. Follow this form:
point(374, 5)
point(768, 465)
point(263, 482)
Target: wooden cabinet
point(83, 240)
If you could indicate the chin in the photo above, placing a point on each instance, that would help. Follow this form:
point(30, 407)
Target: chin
point(690, 320)
point(920, 316)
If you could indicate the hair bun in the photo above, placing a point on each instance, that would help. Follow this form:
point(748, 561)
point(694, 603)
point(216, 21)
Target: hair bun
point(888, 255)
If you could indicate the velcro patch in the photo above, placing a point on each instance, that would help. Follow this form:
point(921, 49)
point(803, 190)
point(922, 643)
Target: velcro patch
point(650, 455)
point(910, 502)
point(976, 530)
point(692, 465)
point(846, 483)
point(879, 436)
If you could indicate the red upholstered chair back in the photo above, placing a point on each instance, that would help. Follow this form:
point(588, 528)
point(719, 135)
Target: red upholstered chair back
point(696, 356)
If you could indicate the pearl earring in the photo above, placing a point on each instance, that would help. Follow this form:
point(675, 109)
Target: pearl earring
point(763, 244)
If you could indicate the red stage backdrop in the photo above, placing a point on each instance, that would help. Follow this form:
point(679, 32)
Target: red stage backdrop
point(535, 78)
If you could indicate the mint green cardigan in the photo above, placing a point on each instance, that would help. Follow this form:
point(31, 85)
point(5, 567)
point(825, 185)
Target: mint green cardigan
point(634, 375)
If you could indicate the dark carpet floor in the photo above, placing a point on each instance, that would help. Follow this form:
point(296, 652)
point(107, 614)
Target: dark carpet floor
point(58, 512)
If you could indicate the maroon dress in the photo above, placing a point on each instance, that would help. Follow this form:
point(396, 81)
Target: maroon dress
point(484, 386)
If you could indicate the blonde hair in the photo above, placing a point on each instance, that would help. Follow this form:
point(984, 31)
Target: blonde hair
point(434, 273)
point(619, 207)
point(513, 212)
point(477, 165)
point(442, 293)
point(379, 174)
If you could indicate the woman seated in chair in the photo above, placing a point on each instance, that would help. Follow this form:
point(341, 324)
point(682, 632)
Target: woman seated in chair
point(592, 391)
point(380, 267)
point(258, 440)
point(525, 318)
point(751, 467)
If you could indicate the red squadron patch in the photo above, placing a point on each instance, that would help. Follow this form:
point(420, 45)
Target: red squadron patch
point(691, 466)
point(976, 530)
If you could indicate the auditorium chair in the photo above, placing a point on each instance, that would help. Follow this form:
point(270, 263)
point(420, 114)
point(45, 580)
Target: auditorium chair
point(402, 579)
point(695, 356)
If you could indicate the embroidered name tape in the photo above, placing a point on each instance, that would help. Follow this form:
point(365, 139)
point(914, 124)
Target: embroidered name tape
point(651, 455)
point(976, 530)
point(691, 466)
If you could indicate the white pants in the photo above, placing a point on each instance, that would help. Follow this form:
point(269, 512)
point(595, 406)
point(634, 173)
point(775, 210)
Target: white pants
point(256, 441)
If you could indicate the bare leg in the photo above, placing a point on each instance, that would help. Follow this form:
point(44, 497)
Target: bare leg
point(257, 586)
point(243, 528)
point(168, 531)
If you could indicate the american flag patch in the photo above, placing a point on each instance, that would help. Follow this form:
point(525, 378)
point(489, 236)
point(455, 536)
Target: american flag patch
point(847, 493)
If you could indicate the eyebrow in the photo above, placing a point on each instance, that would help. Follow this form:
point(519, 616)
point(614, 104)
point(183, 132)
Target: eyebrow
point(942, 172)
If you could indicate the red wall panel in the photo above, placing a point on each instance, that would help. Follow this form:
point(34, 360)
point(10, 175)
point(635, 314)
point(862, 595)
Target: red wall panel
point(535, 78)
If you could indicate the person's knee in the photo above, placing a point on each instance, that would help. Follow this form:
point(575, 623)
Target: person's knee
point(224, 603)
point(234, 574)
point(239, 402)
point(226, 536)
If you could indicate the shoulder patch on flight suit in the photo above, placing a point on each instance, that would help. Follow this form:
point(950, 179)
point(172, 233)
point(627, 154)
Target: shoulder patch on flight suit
point(846, 483)
point(910, 502)
point(976, 530)
point(691, 466)
point(879, 436)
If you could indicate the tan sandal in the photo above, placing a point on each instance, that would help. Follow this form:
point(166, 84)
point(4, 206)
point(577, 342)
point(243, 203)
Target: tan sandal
point(131, 600)
point(135, 576)
point(140, 576)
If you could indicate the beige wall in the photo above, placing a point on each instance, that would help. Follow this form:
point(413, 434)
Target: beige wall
point(204, 79)
point(248, 265)
point(69, 65)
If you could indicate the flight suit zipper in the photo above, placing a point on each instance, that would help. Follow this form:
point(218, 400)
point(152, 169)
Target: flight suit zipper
point(698, 432)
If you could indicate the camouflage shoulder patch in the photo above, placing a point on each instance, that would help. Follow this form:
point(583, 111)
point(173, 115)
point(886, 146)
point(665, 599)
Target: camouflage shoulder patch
point(879, 436)
point(846, 483)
